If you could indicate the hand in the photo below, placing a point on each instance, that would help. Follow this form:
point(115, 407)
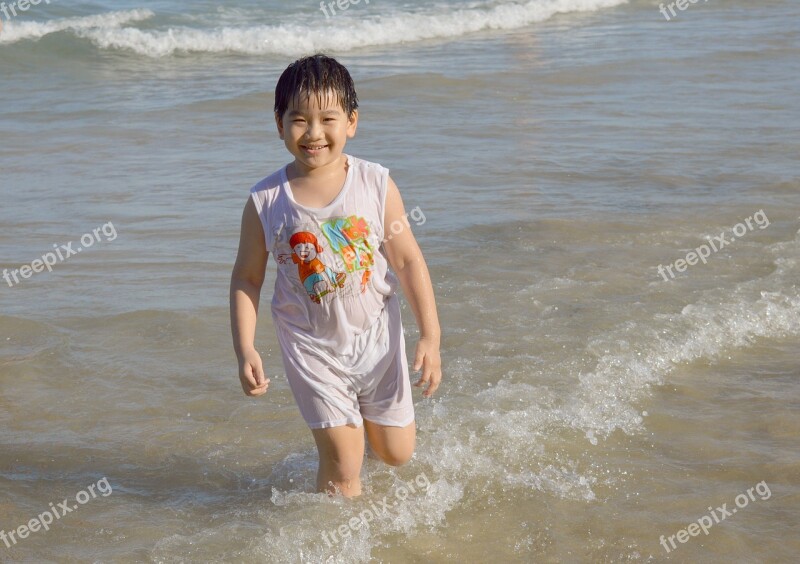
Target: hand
point(427, 357)
point(251, 374)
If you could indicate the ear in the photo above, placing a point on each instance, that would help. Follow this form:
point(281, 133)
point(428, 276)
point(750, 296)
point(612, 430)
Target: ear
point(279, 123)
point(352, 124)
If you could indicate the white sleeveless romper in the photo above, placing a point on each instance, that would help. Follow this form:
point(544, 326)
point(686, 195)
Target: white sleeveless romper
point(335, 310)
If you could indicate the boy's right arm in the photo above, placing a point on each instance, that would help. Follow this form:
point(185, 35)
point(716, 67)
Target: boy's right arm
point(246, 281)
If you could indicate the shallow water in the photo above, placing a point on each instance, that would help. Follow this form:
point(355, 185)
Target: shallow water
point(590, 406)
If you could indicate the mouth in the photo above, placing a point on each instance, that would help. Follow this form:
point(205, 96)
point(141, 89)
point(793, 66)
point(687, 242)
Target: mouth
point(313, 149)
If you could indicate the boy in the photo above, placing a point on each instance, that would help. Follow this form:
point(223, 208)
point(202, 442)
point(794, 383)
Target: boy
point(324, 217)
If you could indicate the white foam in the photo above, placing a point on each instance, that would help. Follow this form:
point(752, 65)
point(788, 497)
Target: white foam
point(14, 30)
point(526, 426)
point(607, 397)
point(352, 30)
point(522, 438)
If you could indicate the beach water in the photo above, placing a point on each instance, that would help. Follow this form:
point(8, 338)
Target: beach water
point(609, 208)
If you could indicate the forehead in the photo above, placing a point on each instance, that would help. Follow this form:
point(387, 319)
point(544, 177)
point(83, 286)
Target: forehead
point(315, 102)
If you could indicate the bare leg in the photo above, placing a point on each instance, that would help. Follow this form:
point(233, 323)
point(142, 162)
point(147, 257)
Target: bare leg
point(393, 445)
point(341, 453)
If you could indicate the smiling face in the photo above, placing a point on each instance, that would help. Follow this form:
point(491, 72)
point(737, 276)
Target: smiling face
point(306, 251)
point(315, 130)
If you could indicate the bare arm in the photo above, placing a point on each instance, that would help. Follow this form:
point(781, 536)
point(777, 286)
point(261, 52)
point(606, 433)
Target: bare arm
point(406, 259)
point(246, 281)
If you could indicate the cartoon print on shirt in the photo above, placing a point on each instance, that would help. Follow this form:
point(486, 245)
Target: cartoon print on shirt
point(349, 238)
point(317, 278)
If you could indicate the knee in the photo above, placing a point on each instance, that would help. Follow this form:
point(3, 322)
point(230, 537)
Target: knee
point(342, 469)
point(337, 477)
point(393, 445)
point(397, 457)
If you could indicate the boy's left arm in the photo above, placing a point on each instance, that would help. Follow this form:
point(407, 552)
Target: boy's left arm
point(405, 258)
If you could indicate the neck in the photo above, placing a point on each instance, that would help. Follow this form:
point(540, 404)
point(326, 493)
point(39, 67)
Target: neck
point(297, 169)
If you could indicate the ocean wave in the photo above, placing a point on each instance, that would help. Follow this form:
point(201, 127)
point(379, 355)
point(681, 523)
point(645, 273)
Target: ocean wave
point(521, 423)
point(293, 39)
point(15, 31)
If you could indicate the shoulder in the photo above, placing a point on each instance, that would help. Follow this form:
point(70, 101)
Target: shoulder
point(368, 168)
point(265, 193)
point(373, 176)
point(271, 182)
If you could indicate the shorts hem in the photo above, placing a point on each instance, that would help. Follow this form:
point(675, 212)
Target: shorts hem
point(336, 423)
point(390, 423)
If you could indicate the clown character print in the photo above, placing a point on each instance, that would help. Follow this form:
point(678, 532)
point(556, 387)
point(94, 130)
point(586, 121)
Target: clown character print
point(332, 258)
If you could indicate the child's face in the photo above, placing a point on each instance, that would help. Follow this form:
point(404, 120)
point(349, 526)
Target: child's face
point(306, 251)
point(316, 133)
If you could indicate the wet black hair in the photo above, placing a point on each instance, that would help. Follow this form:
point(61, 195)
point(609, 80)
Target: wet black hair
point(317, 74)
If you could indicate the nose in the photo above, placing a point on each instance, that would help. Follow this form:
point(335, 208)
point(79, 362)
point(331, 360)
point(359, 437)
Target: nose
point(313, 130)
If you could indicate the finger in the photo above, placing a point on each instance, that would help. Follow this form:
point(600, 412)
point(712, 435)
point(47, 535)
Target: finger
point(249, 382)
point(419, 358)
point(434, 385)
point(423, 379)
point(258, 372)
point(426, 376)
point(256, 385)
point(433, 375)
point(256, 392)
point(255, 389)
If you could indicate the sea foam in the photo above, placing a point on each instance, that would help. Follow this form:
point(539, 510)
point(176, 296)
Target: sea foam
point(16, 30)
point(348, 31)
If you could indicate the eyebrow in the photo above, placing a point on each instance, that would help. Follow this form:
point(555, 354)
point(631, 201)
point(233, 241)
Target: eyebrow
point(325, 112)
